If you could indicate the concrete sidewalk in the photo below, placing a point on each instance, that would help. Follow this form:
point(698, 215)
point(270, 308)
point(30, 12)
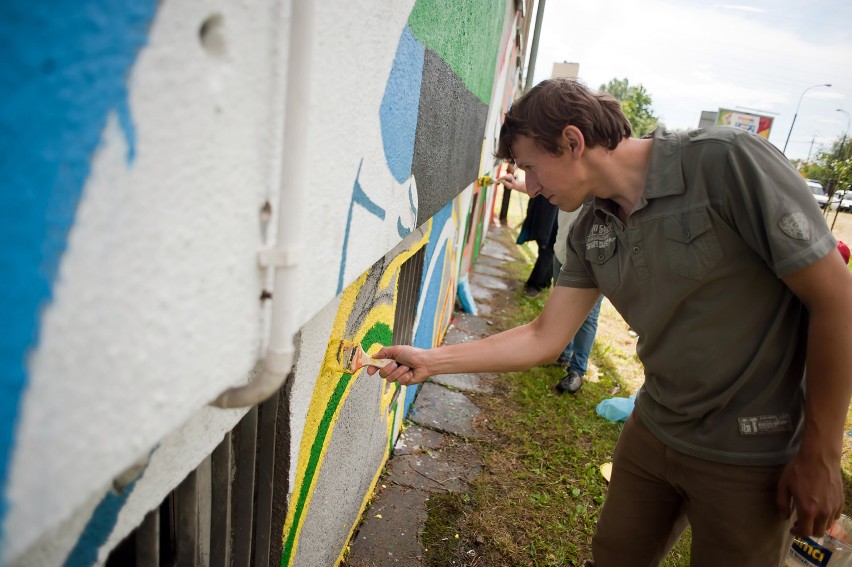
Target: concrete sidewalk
point(433, 454)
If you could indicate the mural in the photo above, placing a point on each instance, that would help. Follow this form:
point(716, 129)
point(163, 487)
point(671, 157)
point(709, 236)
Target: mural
point(445, 65)
point(360, 404)
point(142, 148)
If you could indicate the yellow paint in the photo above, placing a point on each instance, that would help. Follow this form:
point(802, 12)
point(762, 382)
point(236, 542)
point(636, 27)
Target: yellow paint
point(329, 377)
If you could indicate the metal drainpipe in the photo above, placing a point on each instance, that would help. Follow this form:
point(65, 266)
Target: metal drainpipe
point(284, 257)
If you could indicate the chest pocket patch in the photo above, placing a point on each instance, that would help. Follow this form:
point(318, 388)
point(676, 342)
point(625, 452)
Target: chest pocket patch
point(691, 244)
point(604, 262)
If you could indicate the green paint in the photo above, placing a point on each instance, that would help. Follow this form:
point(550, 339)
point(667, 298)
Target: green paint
point(379, 333)
point(483, 212)
point(465, 34)
point(395, 409)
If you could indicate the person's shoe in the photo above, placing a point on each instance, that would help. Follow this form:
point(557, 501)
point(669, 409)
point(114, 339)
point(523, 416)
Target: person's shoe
point(570, 383)
point(530, 291)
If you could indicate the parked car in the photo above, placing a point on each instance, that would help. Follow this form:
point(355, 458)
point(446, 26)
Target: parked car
point(818, 192)
point(843, 200)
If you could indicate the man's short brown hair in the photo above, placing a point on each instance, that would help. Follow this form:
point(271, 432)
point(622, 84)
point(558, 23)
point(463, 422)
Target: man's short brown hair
point(542, 113)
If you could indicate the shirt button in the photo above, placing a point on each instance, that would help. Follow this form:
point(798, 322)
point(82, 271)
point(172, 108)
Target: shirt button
point(686, 234)
point(635, 249)
point(601, 257)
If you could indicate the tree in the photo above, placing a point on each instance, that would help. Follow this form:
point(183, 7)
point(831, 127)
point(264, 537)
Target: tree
point(635, 102)
point(832, 167)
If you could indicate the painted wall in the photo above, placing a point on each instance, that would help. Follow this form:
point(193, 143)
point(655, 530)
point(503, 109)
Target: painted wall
point(141, 145)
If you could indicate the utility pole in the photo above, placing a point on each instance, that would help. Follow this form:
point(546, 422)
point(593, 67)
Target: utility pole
point(810, 150)
point(539, 16)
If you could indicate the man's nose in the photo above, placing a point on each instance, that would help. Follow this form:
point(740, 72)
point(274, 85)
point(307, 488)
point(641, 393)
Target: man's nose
point(532, 185)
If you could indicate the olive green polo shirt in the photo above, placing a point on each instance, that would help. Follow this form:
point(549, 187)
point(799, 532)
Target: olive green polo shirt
point(695, 272)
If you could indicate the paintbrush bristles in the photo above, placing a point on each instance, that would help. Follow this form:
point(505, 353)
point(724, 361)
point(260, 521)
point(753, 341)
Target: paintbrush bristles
point(352, 357)
point(346, 354)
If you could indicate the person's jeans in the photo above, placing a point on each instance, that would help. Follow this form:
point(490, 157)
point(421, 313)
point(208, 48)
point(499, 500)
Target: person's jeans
point(576, 354)
point(577, 351)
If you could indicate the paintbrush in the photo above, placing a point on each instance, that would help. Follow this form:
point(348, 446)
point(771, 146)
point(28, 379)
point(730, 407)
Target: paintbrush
point(352, 358)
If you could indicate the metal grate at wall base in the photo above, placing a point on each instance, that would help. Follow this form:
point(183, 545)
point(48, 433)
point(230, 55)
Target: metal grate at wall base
point(222, 514)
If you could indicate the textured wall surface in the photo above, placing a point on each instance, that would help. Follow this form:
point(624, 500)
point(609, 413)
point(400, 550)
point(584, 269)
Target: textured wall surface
point(141, 145)
point(139, 163)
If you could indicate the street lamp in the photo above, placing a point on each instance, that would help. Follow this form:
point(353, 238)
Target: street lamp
point(843, 143)
point(797, 112)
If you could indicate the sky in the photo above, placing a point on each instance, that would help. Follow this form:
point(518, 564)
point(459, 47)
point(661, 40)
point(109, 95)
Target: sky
point(758, 56)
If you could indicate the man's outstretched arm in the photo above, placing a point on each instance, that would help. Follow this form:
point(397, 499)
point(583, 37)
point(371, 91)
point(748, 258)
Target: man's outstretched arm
point(537, 342)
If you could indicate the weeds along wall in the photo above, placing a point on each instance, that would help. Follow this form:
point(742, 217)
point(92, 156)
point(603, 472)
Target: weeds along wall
point(143, 146)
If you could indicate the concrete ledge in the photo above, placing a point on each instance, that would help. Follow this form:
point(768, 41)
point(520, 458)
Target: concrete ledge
point(441, 409)
point(438, 472)
point(464, 382)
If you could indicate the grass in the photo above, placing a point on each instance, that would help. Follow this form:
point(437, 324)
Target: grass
point(538, 498)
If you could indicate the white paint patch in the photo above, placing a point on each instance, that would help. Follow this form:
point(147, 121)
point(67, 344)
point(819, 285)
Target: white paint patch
point(353, 58)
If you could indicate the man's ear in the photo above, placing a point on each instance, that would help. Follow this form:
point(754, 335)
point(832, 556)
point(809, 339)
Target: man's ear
point(573, 141)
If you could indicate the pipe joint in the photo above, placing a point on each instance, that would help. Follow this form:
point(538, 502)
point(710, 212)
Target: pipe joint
point(276, 367)
point(279, 257)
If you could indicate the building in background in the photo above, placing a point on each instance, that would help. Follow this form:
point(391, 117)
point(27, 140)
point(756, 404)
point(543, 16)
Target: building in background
point(566, 70)
point(755, 123)
point(202, 202)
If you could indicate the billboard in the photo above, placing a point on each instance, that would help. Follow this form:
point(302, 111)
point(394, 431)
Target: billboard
point(754, 123)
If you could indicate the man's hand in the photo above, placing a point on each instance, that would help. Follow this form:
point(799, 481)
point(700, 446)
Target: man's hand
point(814, 487)
point(408, 366)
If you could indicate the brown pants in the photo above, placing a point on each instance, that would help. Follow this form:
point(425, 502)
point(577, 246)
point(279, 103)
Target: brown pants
point(655, 491)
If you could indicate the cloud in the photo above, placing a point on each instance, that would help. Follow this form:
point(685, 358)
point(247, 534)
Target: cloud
point(741, 7)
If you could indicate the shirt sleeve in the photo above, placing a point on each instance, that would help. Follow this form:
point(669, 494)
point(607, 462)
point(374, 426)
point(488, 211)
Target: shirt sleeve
point(772, 208)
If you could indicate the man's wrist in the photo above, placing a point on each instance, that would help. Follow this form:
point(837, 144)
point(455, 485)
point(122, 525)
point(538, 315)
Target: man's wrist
point(819, 449)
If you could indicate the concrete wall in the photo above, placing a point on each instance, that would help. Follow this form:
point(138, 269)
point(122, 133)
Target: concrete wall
point(142, 148)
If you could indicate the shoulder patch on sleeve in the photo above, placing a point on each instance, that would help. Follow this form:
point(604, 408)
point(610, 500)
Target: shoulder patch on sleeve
point(795, 225)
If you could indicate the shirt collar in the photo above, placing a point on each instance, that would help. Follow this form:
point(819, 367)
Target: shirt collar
point(665, 175)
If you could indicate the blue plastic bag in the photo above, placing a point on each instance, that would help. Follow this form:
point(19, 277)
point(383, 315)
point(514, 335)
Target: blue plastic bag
point(465, 295)
point(616, 409)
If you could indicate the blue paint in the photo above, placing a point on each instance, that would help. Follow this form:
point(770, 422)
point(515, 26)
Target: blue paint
point(401, 229)
point(101, 524)
point(425, 332)
point(400, 105)
point(65, 68)
point(358, 198)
